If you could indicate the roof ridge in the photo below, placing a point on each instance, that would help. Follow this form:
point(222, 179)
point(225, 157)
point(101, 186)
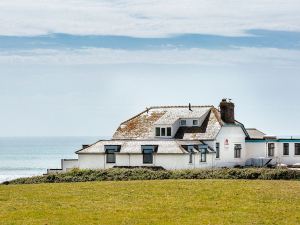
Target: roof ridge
point(180, 106)
point(166, 107)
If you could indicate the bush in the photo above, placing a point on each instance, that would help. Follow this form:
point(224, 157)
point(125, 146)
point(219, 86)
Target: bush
point(125, 174)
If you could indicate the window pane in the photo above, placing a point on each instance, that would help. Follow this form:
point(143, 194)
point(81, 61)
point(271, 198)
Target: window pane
point(271, 147)
point(237, 150)
point(203, 157)
point(147, 158)
point(163, 131)
point(169, 133)
point(217, 150)
point(195, 122)
point(110, 158)
point(286, 148)
point(297, 149)
point(190, 157)
point(149, 151)
point(183, 122)
point(157, 131)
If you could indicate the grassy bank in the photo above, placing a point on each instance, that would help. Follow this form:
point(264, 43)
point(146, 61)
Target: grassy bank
point(152, 202)
point(147, 174)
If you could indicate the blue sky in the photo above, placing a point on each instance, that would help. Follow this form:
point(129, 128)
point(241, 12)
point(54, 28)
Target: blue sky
point(79, 67)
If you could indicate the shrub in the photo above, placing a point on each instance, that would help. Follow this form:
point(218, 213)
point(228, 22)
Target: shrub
point(125, 174)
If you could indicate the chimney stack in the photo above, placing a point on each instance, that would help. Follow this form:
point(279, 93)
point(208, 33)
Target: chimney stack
point(190, 107)
point(85, 146)
point(227, 111)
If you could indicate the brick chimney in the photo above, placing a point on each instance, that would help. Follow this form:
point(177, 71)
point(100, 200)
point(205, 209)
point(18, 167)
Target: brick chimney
point(227, 111)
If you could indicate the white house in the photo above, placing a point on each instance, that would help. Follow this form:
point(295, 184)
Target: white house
point(183, 137)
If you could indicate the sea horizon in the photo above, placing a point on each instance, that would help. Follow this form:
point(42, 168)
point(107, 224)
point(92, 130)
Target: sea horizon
point(26, 156)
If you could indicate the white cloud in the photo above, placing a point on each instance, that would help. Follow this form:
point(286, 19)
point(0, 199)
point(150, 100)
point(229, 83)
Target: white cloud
point(100, 56)
point(146, 17)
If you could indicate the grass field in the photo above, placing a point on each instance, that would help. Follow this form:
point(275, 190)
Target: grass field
point(152, 202)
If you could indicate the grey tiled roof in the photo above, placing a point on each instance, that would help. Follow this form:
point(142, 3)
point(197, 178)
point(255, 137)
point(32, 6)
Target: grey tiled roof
point(166, 146)
point(255, 134)
point(142, 125)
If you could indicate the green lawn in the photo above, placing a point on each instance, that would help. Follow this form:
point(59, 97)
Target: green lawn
point(152, 202)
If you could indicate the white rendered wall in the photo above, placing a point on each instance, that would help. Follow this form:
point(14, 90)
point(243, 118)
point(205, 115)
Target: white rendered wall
point(91, 161)
point(129, 160)
point(234, 135)
point(167, 161)
point(256, 149)
point(67, 164)
point(287, 159)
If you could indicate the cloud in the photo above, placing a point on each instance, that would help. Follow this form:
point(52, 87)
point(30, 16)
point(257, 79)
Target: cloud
point(146, 18)
point(101, 56)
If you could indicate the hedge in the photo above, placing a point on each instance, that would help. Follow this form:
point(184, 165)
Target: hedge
point(120, 174)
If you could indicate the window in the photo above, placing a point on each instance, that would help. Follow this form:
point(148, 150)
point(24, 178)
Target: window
point(183, 122)
point(271, 149)
point(157, 131)
point(297, 148)
point(286, 148)
point(217, 150)
point(195, 122)
point(237, 151)
point(203, 155)
point(190, 150)
point(110, 151)
point(169, 131)
point(148, 155)
point(110, 156)
point(163, 132)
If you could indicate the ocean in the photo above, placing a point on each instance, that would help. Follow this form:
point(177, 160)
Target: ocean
point(30, 156)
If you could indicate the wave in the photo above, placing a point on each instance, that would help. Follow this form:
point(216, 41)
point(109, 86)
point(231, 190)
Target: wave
point(4, 178)
point(20, 169)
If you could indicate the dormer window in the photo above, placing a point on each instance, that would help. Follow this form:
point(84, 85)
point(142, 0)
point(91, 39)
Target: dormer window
point(110, 151)
point(183, 122)
point(148, 151)
point(163, 131)
point(195, 122)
